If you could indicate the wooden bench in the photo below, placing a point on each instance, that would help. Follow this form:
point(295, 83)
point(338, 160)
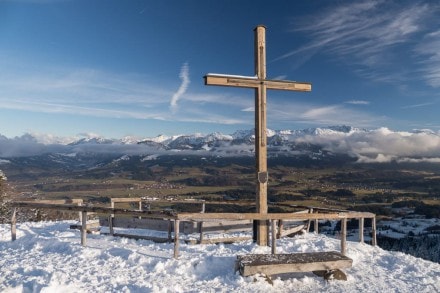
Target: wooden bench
point(326, 264)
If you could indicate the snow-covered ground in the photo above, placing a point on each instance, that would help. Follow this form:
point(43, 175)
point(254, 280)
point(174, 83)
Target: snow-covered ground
point(48, 257)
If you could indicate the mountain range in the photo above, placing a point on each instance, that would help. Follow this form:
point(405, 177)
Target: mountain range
point(363, 145)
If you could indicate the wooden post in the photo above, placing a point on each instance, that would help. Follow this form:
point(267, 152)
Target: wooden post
point(170, 229)
point(310, 221)
point(84, 229)
point(260, 132)
point(274, 236)
point(200, 226)
point(14, 225)
point(176, 238)
point(110, 225)
point(280, 229)
point(373, 231)
point(316, 226)
point(343, 236)
point(203, 207)
point(79, 213)
point(361, 230)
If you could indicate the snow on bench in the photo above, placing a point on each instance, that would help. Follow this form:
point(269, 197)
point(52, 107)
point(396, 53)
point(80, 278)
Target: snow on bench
point(321, 263)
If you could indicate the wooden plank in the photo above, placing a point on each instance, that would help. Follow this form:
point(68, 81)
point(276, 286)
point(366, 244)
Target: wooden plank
point(271, 264)
point(252, 82)
point(59, 201)
point(125, 199)
point(138, 237)
point(292, 230)
point(225, 240)
point(197, 216)
point(227, 226)
point(270, 216)
point(106, 210)
point(136, 223)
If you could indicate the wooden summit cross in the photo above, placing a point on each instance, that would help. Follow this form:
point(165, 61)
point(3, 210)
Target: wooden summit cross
point(260, 84)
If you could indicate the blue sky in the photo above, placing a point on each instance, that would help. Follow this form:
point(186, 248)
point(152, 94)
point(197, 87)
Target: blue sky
point(118, 68)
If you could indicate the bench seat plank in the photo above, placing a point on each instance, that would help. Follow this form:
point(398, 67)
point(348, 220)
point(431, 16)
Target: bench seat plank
point(270, 264)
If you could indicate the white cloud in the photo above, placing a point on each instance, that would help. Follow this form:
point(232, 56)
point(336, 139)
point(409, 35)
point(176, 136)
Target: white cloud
point(184, 76)
point(429, 50)
point(418, 105)
point(382, 145)
point(357, 102)
point(249, 109)
point(369, 34)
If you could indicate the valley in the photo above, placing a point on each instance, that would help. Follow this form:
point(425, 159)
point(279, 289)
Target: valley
point(339, 184)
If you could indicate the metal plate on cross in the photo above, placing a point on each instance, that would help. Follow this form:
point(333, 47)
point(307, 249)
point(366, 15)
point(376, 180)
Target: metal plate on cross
point(262, 177)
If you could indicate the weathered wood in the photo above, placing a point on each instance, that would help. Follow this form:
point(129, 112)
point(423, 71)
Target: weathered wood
point(332, 274)
point(91, 227)
point(316, 226)
point(252, 82)
point(111, 224)
point(309, 221)
point(225, 240)
point(105, 210)
point(84, 229)
point(200, 227)
point(139, 237)
point(261, 132)
point(280, 229)
point(292, 230)
point(271, 264)
point(373, 232)
point(343, 236)
point(136, 223)
point(361, 230)
point(176, 238)
point(125, 199)
point(14, 225)
point(170, 230)
point(260, 84)
point(270, 216)
point(273, 228)
point(59, 201)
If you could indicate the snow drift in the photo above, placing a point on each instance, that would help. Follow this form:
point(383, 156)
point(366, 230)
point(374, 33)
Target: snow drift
point(48, 257)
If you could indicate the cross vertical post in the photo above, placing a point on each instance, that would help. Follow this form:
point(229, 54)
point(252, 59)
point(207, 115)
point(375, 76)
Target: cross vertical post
point(260, 84)
point(260, 132)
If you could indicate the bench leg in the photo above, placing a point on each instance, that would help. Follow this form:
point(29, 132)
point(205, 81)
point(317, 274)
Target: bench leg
point(332, 275)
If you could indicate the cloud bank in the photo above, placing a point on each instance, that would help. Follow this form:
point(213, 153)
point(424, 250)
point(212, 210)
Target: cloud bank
point(380, 145)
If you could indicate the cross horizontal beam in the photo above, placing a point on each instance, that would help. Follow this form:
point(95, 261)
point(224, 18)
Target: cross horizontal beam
point(254, 82)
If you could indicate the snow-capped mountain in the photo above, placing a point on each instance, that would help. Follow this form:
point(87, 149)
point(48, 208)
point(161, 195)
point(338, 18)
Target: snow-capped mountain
point(376, 145)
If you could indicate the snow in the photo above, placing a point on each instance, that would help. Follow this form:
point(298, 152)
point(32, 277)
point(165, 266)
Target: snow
point(48, 257)
point(232, 76)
